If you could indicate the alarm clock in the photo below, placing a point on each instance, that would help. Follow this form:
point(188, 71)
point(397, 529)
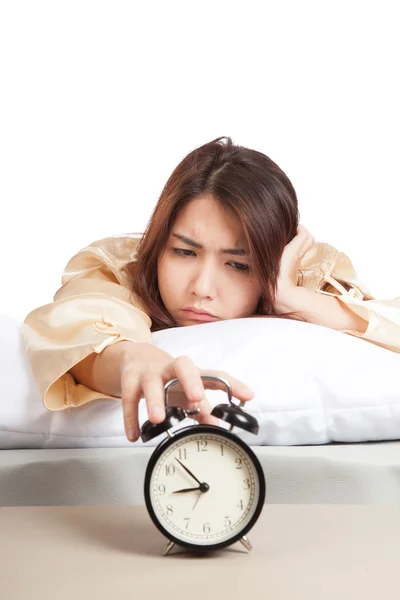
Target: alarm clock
point(204, 487)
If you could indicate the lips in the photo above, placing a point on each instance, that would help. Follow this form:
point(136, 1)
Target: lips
point(198, 311)
point(198, 315)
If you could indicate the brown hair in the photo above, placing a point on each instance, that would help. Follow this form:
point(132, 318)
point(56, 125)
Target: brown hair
point(241, 180)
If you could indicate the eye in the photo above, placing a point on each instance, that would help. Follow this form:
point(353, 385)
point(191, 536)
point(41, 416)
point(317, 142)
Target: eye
point(239, 266)
point(183, 252)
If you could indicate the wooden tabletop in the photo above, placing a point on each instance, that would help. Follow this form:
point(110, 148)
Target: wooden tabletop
point(300, 552)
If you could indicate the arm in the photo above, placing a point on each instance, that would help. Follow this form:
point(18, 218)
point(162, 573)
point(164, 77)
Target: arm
point(329, 275)
point(92, 310)
point(102, 372)
point(327, 311)
point(133, 370)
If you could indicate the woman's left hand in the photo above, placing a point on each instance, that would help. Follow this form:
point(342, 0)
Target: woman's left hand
point(290, 263)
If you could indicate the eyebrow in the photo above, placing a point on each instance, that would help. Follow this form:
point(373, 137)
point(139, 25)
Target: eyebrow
point(189, 242)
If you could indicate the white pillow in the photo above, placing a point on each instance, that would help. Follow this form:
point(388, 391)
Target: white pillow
point(312, 385)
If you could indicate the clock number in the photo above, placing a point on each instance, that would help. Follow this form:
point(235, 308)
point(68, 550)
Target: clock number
point(161, 489)
point(206, 528)
point(240, 505)
point(187, 524)
point(169, 469)
point(228, 522)
point(202, 446)
point(170, 510)
point(238, 461)
point(246, 484)
point(182, 453)
point(222, 450)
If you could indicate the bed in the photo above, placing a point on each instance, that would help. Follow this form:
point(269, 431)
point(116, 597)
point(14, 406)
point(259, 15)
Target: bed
point(359, 473)
point(325, 436)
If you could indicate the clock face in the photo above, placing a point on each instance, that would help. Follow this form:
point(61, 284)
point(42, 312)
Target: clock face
point(205, 487)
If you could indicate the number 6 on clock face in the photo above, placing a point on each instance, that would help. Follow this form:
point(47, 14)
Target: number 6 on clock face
point(204, 487)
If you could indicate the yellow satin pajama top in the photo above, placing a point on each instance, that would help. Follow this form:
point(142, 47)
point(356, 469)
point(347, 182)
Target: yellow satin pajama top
point(95, 307)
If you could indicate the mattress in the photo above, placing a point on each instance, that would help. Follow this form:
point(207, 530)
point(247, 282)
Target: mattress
point(364, 473)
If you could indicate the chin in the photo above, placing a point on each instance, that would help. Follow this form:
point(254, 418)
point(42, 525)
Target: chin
point(189, 323)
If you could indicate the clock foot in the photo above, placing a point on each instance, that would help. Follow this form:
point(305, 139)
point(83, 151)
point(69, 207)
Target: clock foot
point(246, 543)
point(168, 548)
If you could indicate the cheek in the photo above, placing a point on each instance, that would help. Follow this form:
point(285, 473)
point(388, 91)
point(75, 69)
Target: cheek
point(245, 298)
point(168, 282)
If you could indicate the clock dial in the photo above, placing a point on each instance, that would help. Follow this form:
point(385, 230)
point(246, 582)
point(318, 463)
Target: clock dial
point(204, 488)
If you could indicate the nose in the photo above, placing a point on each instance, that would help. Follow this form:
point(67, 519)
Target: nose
point(204, 284)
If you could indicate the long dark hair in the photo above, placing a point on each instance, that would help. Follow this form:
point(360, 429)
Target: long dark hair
point(242, 180)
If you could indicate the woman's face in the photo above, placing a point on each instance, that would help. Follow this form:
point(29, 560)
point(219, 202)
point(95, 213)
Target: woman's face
point(211, 269)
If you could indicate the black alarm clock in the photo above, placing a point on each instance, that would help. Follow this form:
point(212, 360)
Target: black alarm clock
point(204, 487)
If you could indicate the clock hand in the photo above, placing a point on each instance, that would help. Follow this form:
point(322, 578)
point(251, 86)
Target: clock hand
point(186, 490)
point(187, 470)
point(198, 498)
point(204, 487)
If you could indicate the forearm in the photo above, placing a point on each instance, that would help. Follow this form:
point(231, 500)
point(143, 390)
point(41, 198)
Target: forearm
point(321, 310)
point(102, 372)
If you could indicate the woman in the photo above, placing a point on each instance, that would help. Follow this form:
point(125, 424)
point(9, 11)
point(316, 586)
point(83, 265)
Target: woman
point(224, 242)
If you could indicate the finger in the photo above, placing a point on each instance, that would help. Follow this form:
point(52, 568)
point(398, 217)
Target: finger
point(176, 397)
point(130, 396)
point(153, 392)
point(204, 416)
point(308, 244)
point(188, 373)
point(299, 239)
point(302, 229)
point(304, 240)
point(193, 389)
point(238, 389)
point(302, 232)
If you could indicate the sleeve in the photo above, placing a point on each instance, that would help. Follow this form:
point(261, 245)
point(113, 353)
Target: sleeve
point(93, 308)
point(337, 277)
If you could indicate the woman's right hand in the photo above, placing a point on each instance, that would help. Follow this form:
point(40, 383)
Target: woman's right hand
point(145, 369)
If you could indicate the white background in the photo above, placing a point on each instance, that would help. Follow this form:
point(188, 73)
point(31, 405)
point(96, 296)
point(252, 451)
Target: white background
point(100, 100)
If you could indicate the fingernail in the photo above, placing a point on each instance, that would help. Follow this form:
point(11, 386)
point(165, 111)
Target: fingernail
point(132, 435)
point(248, 390)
